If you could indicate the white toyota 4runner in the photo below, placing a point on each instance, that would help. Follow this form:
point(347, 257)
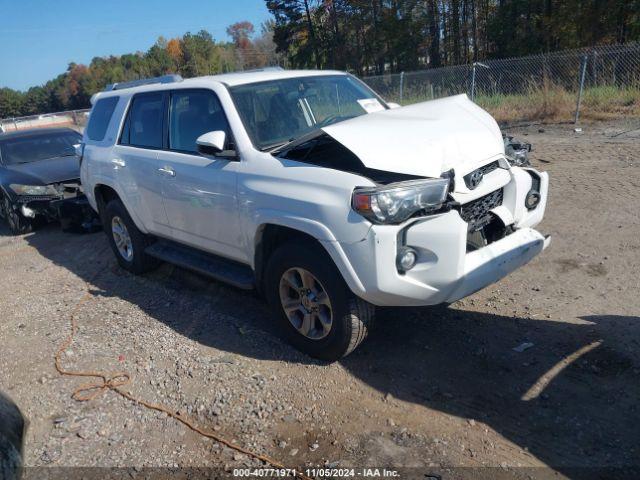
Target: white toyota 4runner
point(308, 187)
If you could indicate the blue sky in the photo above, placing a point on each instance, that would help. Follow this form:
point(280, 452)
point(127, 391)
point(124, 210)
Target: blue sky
point(39, 38)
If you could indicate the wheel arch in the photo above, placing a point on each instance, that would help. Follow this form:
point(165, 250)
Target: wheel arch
point(270, 235)
point(104, 193)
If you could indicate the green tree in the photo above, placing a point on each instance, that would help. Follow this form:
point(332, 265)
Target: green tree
point(11, 103)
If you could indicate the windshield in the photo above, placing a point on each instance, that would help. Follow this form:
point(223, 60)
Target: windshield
point(38, 147)
point(279, 111)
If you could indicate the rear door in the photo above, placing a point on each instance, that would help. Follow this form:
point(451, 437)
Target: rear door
point(136, 159)
point(199, 192)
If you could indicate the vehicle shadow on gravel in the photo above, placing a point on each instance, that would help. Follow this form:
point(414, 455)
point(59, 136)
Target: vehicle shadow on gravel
point(571, 399)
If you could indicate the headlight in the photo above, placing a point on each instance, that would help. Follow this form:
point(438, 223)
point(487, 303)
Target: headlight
point(45, 190)
point(397, 202)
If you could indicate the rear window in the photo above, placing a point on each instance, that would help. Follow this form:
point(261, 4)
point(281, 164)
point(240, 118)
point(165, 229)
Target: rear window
point(100, 118)
point(143, 126)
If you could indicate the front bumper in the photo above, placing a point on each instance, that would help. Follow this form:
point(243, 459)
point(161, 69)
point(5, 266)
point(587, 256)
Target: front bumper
point(30, 206)
point(493, 262)
point(445, 270)
point(70, 207)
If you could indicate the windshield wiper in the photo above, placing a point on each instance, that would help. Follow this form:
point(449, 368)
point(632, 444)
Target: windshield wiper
point(275, 146)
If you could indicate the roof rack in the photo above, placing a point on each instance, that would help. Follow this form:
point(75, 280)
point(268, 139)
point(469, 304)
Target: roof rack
point(143, 81)
point(275, 68)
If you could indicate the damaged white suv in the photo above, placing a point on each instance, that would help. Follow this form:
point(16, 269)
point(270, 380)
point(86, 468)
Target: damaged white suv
point(308, 187)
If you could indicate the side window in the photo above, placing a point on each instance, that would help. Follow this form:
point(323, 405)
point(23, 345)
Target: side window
point(192, 113)
point(143, 126)
point(100, 118)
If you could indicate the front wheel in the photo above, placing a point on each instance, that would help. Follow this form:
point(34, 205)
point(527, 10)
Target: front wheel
point(316, 310)
point(16, 222)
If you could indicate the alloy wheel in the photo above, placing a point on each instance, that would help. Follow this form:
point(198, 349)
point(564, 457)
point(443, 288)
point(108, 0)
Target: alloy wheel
point(306, 303)
point(122, 238)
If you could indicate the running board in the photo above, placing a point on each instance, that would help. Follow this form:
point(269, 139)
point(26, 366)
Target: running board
point(206, 264)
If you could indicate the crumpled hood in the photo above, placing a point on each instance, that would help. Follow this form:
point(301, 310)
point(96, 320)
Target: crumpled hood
point(424, 139)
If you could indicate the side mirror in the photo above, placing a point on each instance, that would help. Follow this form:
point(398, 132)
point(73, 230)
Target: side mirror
point(212, 145)
point(393, 105)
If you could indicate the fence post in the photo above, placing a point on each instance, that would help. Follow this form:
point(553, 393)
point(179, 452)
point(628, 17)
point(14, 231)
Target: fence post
point(583, 71)
point(473, 78)
point(401, 86)
point(473, 82)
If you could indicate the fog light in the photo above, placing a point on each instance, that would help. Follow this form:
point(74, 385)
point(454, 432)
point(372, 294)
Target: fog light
point(406, 259)
point(532, 199)
point(27, 212)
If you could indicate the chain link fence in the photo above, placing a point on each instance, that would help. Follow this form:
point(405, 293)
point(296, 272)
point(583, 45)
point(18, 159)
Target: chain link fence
point(76, 119)
point(526, 88)
point(569, 72)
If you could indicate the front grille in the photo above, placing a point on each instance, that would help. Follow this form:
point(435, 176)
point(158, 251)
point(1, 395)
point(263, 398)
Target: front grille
point(484, 170)
point(490, 167)
point(37, 198)
point(477, 213)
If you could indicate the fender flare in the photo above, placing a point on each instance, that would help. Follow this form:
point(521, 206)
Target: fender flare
point(262, 217)
point(313, 228)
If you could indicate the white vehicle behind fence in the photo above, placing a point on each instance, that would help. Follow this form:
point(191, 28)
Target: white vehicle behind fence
point(308, 187)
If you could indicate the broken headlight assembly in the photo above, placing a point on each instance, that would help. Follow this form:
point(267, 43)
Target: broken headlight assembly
point(39, 190)
point(398, 202)
point(517, 152)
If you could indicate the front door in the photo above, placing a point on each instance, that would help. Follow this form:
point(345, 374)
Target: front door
point(136, 160)
point(199, 192)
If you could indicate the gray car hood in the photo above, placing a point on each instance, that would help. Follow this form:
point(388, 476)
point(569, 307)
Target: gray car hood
point(424, 139)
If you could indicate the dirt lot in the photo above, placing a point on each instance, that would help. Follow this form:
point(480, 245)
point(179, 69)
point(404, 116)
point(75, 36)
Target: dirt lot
point(432, 390)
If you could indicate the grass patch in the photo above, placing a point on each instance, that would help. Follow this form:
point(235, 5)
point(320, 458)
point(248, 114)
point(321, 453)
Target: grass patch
point(610, 102)
point(552, 103)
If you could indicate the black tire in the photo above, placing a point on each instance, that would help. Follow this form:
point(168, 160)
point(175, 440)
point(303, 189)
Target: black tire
point(139, 262)
point(351, 318)
point(16, 222)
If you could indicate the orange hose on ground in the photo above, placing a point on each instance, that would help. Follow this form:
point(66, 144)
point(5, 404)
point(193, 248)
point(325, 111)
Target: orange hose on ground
point(115, 382)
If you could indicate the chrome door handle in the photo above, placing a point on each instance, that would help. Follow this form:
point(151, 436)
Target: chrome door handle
point(168, 171)
point(118, 163)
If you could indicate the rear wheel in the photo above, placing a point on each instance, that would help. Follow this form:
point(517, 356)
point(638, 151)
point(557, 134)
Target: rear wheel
point(316, 310)
point(16, 222)
point(127, 242)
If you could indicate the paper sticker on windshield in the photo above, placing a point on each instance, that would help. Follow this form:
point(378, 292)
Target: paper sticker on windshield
point(371, 105)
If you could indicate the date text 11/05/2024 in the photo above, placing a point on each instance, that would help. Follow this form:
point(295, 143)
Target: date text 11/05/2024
point(317, 472)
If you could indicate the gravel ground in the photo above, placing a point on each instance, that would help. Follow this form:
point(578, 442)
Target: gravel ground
point(433, 389)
